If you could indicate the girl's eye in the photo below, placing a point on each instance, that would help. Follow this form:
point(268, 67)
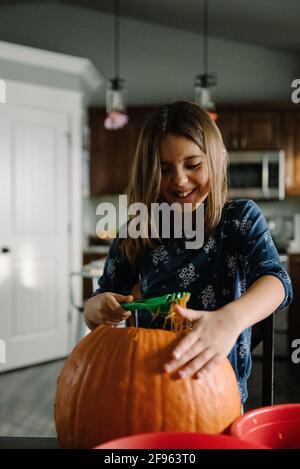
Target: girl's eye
point(166, 170)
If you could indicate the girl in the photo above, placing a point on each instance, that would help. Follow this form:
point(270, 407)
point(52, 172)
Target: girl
point(235, 279)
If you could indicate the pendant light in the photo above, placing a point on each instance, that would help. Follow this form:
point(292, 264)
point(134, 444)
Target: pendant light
point(205, 82)
point(115, 105)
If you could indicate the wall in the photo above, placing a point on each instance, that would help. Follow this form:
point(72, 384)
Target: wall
point(159, 63)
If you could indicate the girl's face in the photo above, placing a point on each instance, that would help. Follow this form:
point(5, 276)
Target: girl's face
point(184, 171)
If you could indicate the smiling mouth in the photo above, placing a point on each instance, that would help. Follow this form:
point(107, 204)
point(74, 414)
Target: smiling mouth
point(184, 194)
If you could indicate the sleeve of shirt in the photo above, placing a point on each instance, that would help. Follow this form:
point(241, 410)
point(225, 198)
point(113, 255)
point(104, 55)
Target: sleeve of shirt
point(257, 252)
point(118, 274)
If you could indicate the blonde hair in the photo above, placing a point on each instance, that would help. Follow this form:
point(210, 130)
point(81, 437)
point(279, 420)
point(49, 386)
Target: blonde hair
point(185, 119)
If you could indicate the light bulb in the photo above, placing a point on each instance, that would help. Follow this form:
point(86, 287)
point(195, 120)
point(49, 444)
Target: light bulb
point(115, 105)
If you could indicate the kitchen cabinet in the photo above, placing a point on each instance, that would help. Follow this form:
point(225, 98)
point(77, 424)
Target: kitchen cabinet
point(112, 151)
point(276, 127)
point(243, 127)
point(251, 130)
point(292, 152)
point(261, 130)
point(227, 123)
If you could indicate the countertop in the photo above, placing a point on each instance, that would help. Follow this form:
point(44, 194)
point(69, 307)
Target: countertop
point(93, 269)
point(96, 249)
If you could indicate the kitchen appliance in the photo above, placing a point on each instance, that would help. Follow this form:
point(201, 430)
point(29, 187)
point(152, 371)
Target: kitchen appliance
point(256, 174)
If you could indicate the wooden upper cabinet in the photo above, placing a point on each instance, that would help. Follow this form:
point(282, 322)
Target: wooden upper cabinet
point(292, 152)
point(112, 151)
point(251, 130)
point(260, 131)
point(242, 128)
point(228, 126)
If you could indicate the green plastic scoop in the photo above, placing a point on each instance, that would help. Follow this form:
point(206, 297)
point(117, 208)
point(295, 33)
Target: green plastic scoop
point(157, 305)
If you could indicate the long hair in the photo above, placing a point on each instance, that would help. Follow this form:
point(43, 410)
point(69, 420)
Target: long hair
point(185, 119)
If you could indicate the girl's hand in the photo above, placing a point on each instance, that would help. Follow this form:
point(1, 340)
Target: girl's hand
point(105, 309)
point(213, 335)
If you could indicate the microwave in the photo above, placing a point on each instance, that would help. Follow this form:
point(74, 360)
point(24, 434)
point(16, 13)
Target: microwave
point(256, 174)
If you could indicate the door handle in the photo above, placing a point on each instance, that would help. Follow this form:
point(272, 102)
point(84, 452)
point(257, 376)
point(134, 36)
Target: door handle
point(5, 250)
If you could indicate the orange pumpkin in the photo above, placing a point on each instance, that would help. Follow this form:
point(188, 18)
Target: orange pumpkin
point(113, 385)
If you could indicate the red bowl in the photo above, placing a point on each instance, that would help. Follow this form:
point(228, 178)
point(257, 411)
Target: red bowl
point(273, 427)
point(177, 440)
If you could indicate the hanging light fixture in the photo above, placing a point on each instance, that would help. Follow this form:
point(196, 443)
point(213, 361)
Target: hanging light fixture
point(115, 105)
point(205, 82)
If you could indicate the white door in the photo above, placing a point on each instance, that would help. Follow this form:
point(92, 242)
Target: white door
point(33, 234)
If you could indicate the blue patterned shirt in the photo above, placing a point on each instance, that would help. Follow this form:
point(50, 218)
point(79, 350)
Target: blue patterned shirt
point(234, 256)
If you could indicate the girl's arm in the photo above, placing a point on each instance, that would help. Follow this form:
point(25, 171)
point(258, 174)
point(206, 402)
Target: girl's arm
point(261, 299)
point(114, 286)
point(105, 309)
point(214, 333)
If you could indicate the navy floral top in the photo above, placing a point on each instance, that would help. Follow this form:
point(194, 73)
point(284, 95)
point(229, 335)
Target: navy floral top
point(235, 255)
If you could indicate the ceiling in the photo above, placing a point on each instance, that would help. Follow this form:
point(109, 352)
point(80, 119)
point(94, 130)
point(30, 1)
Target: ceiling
point(270, 23)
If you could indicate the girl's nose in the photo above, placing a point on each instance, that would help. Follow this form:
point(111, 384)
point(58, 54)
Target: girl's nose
point(180, 178)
